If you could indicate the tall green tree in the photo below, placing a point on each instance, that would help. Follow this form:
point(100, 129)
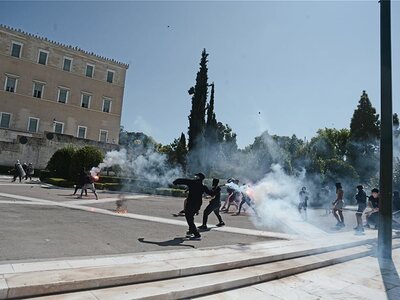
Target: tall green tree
point(363, 140)
point(364, 125)
point(199, 100)
point(210, 133)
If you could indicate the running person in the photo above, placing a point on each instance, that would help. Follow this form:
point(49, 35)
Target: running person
point(338, 205)
point(194, 200)
point(361, 199)
point(213, 206)
point(303, 199)
point(245, 200)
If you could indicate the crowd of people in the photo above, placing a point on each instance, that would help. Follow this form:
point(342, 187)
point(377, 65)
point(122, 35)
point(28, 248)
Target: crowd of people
point(239, 195)
point(23, 171)
point(367, 206)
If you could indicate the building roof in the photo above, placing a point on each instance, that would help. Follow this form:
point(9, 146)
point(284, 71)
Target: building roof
point(69, 47)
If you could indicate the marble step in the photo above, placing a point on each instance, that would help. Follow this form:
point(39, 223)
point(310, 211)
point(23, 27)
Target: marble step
point(203, 284)
point(28, 284)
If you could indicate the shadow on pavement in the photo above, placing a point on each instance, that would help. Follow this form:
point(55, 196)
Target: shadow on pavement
point(390, 278)
point(178, 241)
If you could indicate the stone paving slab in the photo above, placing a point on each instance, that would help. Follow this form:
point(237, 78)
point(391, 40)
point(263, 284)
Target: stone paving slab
point(361, 278)
point(191, 286)
point(42, 282)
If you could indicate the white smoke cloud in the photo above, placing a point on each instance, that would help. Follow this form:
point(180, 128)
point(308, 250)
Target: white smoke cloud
point(151, 165)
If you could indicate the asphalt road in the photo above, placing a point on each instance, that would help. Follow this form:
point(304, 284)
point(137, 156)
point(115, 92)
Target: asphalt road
point(36, 231)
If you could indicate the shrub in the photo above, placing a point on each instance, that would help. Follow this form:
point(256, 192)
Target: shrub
point(44, 174)
point(59, 163)
point(170, 192)
point(86, 157)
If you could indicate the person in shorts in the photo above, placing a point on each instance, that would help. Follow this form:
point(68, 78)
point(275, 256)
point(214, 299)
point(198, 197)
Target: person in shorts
point(338, 204)
point(361, 198)
point(303, 199)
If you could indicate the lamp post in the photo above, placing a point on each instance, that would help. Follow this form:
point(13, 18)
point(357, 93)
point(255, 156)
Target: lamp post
point(386, 147)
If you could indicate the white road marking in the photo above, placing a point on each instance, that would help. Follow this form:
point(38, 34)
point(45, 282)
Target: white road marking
point(236, 230)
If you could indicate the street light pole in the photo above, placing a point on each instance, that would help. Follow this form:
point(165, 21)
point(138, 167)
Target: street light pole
point(386, 145)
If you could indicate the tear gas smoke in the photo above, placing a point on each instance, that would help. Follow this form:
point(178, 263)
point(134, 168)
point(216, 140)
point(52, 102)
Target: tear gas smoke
point(149, 165)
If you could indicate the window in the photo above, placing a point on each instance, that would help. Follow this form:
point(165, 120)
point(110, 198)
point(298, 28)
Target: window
point(89, 70)
point(16, 49)
point(81, 132)
point(67, 64)
point(5, 119)
point(106, 105)
point(33, 124)
point(85, 100)
point(38, 89)
point(11, 84)
point(58, 127)
point(103, 136)
point(110, 76)
point(42, 58)
point(63, 94)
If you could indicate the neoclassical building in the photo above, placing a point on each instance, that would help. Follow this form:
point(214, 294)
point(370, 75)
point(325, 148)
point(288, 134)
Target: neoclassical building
point(46, 86)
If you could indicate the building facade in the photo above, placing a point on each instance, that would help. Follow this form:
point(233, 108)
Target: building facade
point(50, 87)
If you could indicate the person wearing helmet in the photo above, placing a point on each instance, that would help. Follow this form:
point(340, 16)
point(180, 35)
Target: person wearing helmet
point(194, 200)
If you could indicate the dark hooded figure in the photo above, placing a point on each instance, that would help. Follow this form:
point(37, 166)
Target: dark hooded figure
point(194, 199)
point(213, 206)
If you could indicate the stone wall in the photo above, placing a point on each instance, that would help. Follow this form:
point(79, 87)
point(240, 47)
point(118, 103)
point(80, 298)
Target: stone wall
point(38, 149)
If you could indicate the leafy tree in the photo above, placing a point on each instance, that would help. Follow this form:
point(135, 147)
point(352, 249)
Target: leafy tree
point(60, 162)
point(362, 147)
point(199, 100)
point(176, 152)
point(364, 124)
point(85, 157)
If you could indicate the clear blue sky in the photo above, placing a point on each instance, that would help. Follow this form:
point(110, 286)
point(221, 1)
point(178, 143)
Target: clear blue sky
point(301, 64)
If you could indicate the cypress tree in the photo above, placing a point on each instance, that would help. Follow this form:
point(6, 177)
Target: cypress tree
point(181, 151)
point(199, 99)
point(211, 124)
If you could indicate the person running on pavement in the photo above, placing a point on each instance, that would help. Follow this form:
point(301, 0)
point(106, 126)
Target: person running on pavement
point(373, 215)
point(194, 200)
point(245, 200)
point(88, 184)
point(303, 199)
point(235, 196)
point(338, 206)
point(213, 206)
point(361, 199)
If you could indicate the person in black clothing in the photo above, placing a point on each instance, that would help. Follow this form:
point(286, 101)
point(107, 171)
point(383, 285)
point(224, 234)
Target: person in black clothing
point(213, 206)
point(80, 181)
point(373, 215)
point(88, 184)
point(361, 199)
point(194, 200)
